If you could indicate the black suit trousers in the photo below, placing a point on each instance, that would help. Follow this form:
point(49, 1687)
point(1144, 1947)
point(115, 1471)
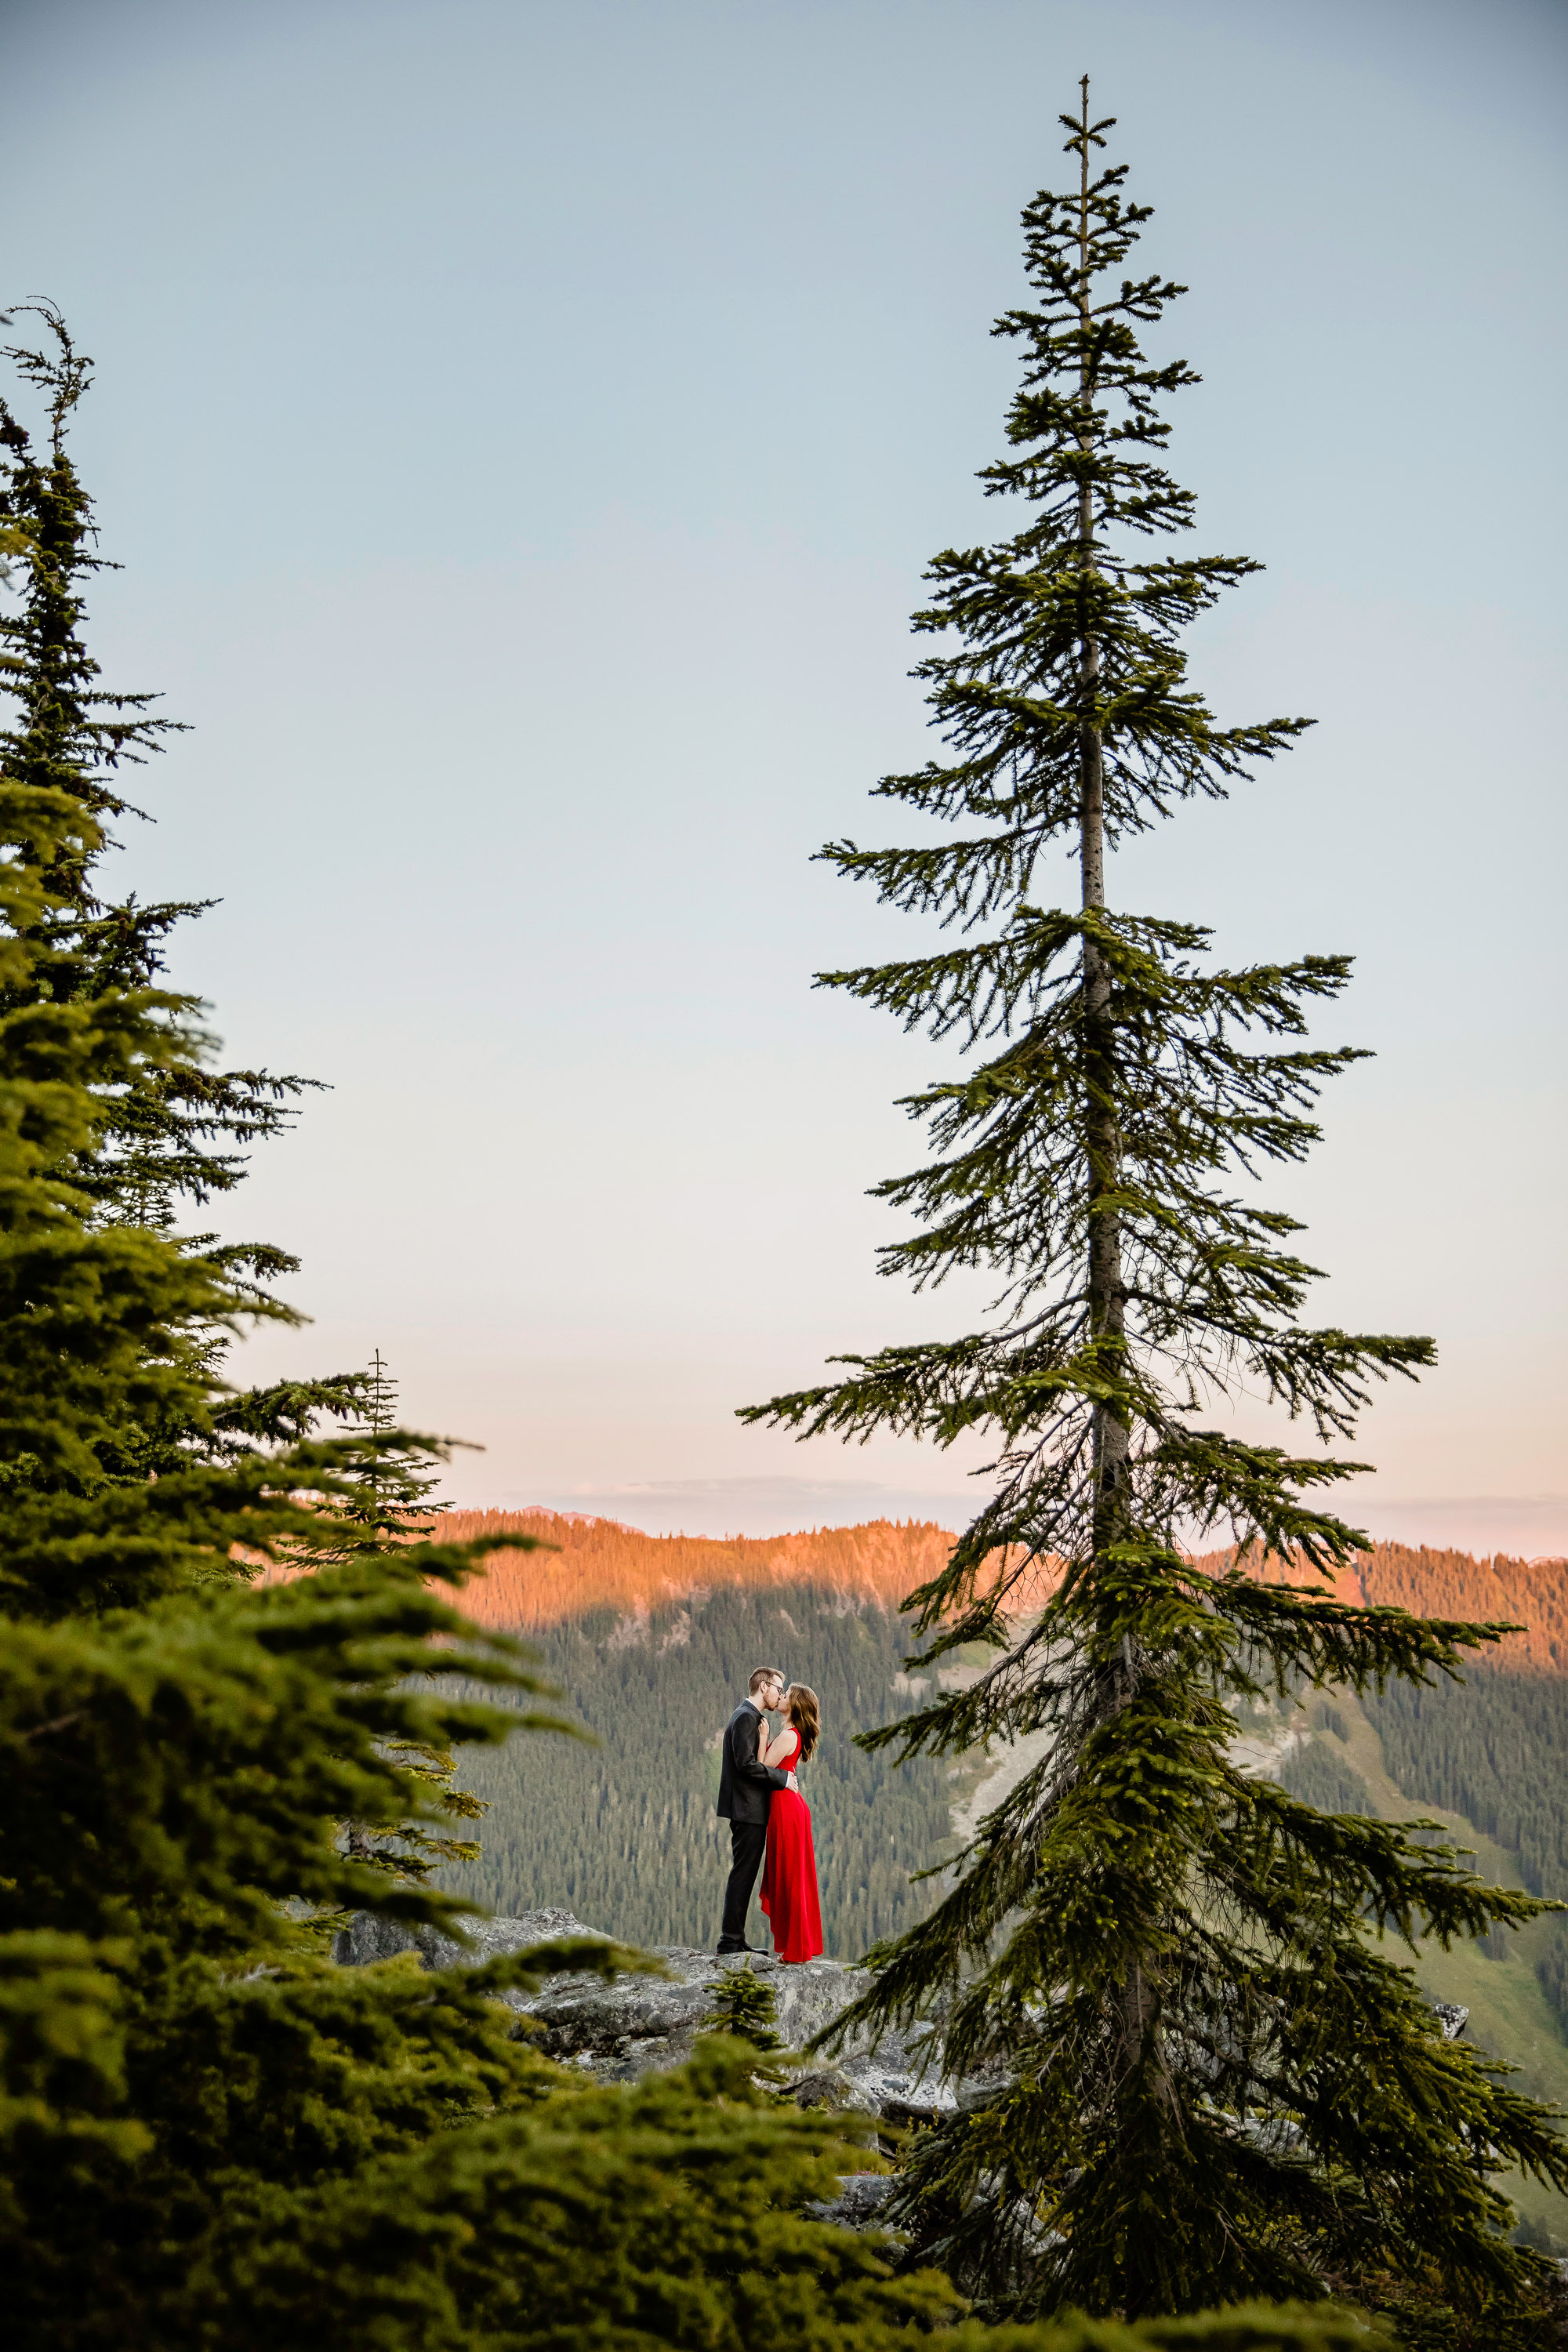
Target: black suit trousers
point(748, 1843)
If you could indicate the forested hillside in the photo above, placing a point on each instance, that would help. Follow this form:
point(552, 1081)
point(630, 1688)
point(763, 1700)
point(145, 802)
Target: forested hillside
point(1530, 1593)
point(652, 1638)
point(1492, 1750)
point(1486, 1757)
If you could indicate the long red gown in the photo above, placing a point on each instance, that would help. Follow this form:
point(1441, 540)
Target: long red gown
point(789, 1874)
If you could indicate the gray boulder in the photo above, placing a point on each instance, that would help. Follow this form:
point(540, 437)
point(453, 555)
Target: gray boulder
point(641, 2025)
point(367, 1939)
point(859, 2202)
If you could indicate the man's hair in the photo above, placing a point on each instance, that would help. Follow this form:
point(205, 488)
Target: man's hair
point(764, 1674)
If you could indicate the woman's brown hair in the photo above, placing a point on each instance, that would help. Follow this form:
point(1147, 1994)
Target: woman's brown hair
point(804, 1715)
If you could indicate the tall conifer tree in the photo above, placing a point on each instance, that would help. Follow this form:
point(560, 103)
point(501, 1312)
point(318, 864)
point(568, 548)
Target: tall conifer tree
point(174, 1132)
point(1221, 2083)
point(168, 1135)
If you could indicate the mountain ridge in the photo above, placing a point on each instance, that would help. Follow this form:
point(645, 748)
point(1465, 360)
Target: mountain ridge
point(601, 1563)
point(598, 1563)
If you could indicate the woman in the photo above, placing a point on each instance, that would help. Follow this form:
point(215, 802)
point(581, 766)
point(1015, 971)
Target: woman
point(789, 1874)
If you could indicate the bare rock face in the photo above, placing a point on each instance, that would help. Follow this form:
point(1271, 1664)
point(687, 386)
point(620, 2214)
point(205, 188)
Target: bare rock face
point(859, 2202)
point(633, 2026)
point(639, 2025)
point(367, 1939)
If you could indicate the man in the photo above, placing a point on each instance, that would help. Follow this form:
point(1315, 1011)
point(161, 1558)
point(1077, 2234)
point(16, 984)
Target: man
point(746, 1788)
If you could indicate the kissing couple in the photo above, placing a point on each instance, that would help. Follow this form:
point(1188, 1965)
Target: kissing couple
point(759, 1795)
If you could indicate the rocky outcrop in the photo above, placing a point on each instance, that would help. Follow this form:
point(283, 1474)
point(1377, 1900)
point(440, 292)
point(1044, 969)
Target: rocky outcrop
point(368, 1938)
point(631, 2026)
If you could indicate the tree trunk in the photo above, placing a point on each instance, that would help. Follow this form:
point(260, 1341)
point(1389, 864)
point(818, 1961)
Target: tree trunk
point(1101, 1141)
point(1136, 2010)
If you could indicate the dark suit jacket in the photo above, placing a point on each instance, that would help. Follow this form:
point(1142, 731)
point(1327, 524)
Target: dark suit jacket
point(745, 1786)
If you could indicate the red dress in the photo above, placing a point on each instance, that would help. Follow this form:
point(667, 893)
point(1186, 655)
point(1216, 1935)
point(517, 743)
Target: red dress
point(789, 1874)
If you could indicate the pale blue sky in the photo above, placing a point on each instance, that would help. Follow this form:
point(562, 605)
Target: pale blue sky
point(523, 428)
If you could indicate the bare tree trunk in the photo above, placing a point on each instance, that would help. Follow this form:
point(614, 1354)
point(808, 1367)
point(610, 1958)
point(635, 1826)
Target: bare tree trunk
point(1137, 2009)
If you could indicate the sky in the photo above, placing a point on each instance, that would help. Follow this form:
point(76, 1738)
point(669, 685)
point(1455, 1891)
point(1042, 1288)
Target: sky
point(523, 428)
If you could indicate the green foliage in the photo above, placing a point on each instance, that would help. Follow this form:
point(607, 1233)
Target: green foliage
point(187, 1761)
point(1218, 2084)
point(623, 1830)
point(1250, 2327)
point(743, 2005)
point(1529, 2319)
point(668, 2215)
point(380, 1502)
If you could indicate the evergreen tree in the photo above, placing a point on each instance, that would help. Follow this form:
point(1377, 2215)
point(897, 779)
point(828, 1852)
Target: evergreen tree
point(168, 1135)
point(381, 1502)
point(173, 1768)
point(746, 2007)
point(1221, 2084)
point(172, 1131)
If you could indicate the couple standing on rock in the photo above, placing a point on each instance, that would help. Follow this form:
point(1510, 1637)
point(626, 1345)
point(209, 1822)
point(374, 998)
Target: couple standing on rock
point(760, 1797)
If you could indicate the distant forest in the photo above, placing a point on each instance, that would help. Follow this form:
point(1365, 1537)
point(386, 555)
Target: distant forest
point(1494, 1748)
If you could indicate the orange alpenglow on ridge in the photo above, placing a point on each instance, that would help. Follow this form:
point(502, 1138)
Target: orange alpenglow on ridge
point(600, 1564)
point(1496, 1590)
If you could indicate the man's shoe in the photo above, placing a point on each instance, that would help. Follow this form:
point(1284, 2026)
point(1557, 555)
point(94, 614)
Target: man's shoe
point(726, 1948)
